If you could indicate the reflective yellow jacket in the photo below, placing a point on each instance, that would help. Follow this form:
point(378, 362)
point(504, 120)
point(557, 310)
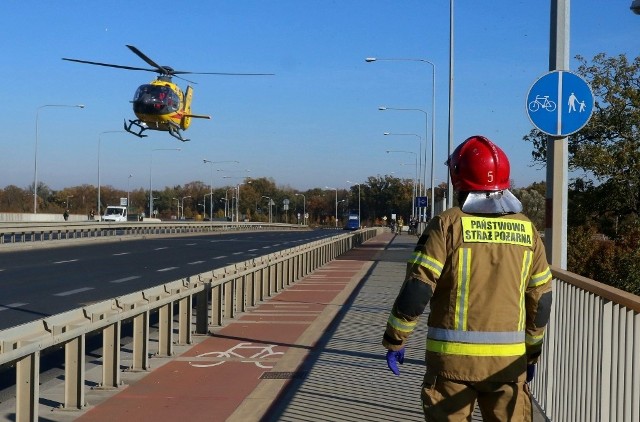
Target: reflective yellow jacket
point(491, 286)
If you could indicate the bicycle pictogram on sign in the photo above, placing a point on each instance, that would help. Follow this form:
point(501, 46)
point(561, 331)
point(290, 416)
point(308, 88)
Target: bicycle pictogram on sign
point(240, 352)
point(542, 101)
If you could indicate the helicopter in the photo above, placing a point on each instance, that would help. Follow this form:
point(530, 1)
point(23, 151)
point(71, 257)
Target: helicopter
point(161, 105)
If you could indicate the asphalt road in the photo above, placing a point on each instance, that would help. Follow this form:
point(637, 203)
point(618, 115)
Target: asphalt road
point(43, 282)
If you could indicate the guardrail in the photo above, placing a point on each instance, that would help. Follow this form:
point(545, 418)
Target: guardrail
point(12, 233)
point(590, 364)
point(218, 295)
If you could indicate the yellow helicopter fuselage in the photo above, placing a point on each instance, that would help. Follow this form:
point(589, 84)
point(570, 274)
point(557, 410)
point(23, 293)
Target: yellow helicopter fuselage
point(162, 105)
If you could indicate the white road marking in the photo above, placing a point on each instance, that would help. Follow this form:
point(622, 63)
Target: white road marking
point(191, 244)
point(266, 247)
point(238, 253)
point(121, 253)
point(159, 249)
point(220, 257)
point(74, 291)
point(122, 280)
point(252, 250)
point(166, 269)
point(12, 306)
point(64, 262)
point(195, 262)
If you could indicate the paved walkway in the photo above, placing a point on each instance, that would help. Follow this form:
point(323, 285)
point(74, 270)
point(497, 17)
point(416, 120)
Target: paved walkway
point(311, 353)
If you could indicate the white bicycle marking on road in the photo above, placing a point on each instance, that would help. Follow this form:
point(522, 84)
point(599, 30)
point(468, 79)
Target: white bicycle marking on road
point(262, 352)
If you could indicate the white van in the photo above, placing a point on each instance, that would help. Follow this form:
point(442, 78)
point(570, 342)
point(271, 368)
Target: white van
point(115, 213)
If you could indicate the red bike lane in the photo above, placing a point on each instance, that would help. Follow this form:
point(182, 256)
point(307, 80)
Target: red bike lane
point(238, 372)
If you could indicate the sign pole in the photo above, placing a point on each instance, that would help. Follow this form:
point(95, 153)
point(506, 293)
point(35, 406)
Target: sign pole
point(557, 149)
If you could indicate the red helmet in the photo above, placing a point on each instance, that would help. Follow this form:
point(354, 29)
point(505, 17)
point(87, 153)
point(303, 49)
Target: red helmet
point(478, 164)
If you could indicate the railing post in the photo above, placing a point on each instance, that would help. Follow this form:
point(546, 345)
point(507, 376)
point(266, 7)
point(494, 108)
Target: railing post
point(184, 320)
point(202, 308)
point(141, 342)
point(74, 373)
point(165, 330)
point(111, 356)
point(28, 387)
point(216, 305)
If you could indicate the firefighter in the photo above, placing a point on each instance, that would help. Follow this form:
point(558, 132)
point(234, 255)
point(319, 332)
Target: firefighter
point(482, 269)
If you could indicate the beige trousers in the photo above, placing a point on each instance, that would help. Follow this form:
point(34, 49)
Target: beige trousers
point(448, 400)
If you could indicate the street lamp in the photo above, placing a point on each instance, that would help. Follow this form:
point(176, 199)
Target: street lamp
point(269, 199)
point(433, 101)
point(151, 178)
point(182, 204)
point(177, 206)
point(426, 118)
point(35, 159)
point(304, 208)
point(237, 188)
point(413, 205)
point(99, 207)
point(67, 203)
point(128, 191)
point(336, 189)
point(211, 184)
point(359, 219)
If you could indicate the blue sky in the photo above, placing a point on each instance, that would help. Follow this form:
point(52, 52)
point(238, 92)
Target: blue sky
point(316, 122)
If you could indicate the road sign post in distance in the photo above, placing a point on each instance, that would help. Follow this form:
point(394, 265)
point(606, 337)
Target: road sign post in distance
point(560, 103)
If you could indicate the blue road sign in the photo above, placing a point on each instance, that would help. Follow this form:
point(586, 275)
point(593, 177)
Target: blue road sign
point(421, 201)
point(560, 103)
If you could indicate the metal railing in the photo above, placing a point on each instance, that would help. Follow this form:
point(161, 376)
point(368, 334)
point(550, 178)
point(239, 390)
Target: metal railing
point(201, 301)
point(13, 233)
point(590, 364)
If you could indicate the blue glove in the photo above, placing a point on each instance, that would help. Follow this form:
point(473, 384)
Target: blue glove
point(531, 371)
point(393, 358)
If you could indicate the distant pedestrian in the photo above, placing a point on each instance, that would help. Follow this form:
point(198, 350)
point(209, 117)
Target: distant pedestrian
point(66, 215)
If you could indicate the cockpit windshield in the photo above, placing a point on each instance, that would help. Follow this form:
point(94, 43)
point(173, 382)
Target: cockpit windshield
point(155, 99)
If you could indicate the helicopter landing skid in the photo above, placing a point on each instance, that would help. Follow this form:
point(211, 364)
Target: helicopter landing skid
point(175, 132)
point(138, 125)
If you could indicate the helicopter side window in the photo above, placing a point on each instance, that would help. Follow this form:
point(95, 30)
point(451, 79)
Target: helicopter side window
point(172, 101)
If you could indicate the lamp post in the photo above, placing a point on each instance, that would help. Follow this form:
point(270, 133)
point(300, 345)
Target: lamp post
point(211, 184)
point(237, 189)
point(227, 207)
point(359, 219)
point(35, 159)
point(420, 167)
point(204, 205)
point(426, 119)
point(413, 205)
point(304, 208)
point(336, 189)
point(177, 206)
point(128, 191)
point(182, 204)
point(151, 176)
point(99, 207)
point(433, 103)
point(67, 203)
point(269, 199)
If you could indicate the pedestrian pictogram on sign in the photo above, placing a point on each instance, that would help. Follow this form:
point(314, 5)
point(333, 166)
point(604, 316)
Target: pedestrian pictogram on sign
point(560, 103)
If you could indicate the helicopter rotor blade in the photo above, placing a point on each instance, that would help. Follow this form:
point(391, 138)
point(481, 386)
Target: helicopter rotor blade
point(150, 62)
point(182, 72)
point(110, 65)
